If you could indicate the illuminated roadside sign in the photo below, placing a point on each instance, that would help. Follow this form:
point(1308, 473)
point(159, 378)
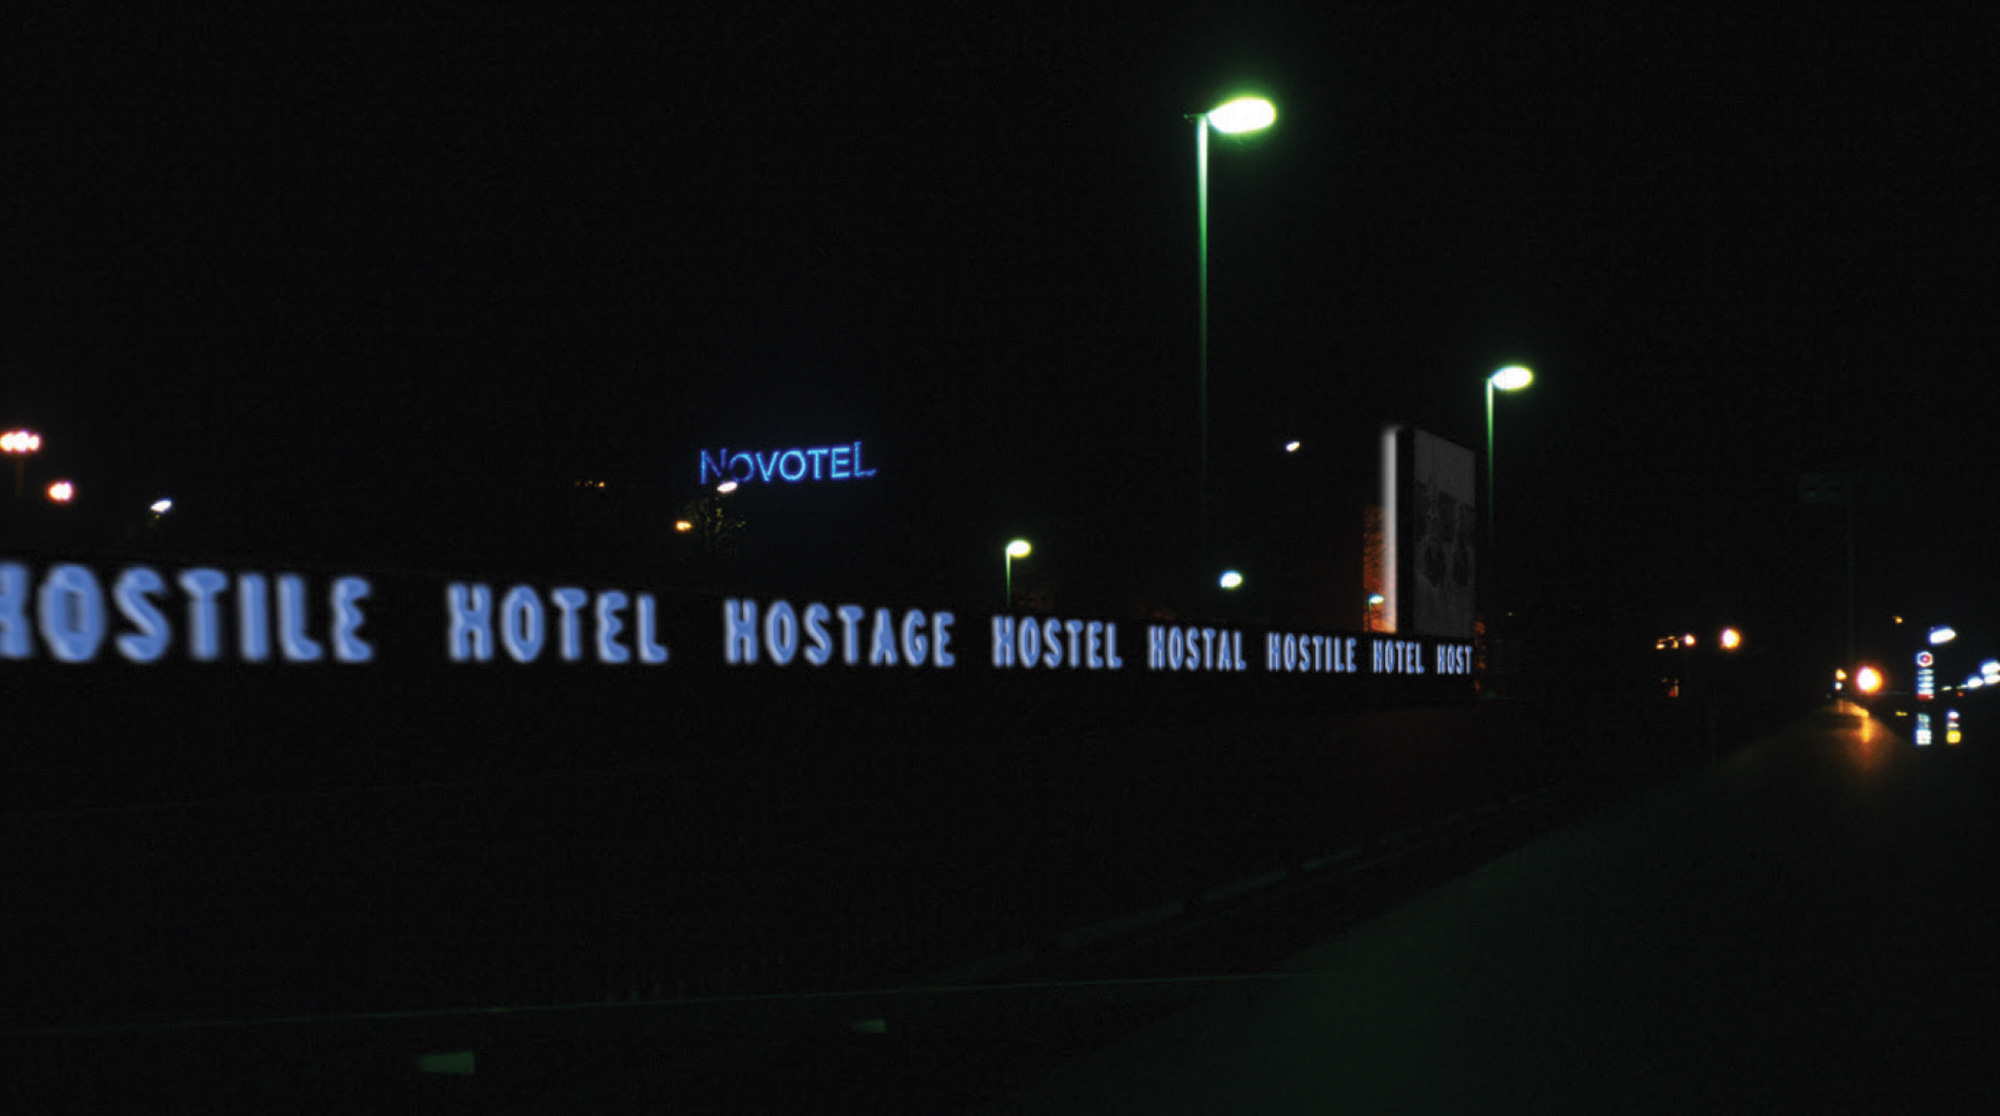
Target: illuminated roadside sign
point(72, 613)
point(1926, 676)
point(789, 466)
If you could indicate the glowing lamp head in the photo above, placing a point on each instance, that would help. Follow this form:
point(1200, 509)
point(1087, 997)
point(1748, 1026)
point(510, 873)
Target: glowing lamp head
point(1292, 447)
point(62, 492)
point(20, 441)
point(1867, 680)
point(1512, 378)
point(1942, 634)
point(1243, 114)
point(1230, 579)
point(726, 487)
point(1019, 548)
point(683, 525)
point(1731, 639)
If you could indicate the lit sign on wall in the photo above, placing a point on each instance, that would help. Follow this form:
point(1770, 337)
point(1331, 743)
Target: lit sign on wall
point(70, 613)
point(789, 466)
point(70, 610)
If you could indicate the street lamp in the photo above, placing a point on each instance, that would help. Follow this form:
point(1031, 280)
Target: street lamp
point(20, 445)
point(1511, 378)
point(1230, 579)
point(1235, 117)
point(1019, 548)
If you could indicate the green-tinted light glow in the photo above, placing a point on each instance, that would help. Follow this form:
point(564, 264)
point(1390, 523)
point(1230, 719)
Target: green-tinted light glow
point(1019, 548)
point(1513, 378)
point(1244, 114)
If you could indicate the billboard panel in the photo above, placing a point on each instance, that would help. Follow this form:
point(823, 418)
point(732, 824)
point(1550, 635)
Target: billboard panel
point(1430, 533)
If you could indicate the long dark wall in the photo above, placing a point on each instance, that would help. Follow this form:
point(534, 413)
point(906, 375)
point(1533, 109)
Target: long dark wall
point(189, 840)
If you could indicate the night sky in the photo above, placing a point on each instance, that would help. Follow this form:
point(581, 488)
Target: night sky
point(379, 293)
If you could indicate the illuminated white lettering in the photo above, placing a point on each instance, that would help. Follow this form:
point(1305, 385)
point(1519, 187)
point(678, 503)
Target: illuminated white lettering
point(469, 622)
point(819, 646)
point(850, 638)
point(1003, 641)
point(348, 647)
point(521, 624)
point(134, 588)
point(798, 463)
point(882, 640)
point(941, 656)
point(253, 625)
point(16, 635)
point(651, 651)
point(914, 645)
point(781, 633)
point(739, 632)
point(609, 624)
point(293, 642)
point(568, 603)
point(201, 586)
point(70, 609)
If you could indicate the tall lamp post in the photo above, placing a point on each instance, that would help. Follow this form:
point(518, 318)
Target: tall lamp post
point(1511, 378)
point(1019, 548)
point(19, 444)
point(1234, 117)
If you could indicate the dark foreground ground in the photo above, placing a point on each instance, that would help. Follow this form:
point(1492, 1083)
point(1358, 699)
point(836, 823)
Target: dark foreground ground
point(1811, 926)
point(1808, 924)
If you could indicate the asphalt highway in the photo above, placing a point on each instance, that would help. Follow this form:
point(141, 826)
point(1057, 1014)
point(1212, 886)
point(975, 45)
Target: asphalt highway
point(1811, 925)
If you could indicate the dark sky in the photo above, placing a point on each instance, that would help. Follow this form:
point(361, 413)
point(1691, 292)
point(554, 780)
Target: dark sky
point(379, 289)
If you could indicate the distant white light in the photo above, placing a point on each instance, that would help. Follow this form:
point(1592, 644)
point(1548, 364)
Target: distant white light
point(1230, 579)
point(726, 487)
point(1942, 634)
point(162, 506)
point(1292, 446)
point(62, 492)
point(1990, 666)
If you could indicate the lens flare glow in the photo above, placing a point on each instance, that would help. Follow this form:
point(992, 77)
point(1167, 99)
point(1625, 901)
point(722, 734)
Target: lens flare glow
point(1244, 114)
point(1867, 680)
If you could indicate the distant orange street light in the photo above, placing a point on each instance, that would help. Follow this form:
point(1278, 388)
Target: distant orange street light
point(20, 445)
point(1731, 639)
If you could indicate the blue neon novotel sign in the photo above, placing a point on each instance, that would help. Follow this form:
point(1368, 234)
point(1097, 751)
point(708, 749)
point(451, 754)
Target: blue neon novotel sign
point(791, 466)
